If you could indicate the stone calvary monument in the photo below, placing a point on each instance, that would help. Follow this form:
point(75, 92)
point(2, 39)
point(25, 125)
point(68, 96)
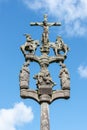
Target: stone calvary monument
point(44, 93)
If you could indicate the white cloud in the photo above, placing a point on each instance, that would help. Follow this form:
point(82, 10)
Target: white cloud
point(83, 71)
point(16, 116)
point(72, 12)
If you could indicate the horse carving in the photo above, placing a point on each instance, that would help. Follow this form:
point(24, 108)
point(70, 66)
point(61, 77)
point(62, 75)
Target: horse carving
point(30, 45)
point(59, 46)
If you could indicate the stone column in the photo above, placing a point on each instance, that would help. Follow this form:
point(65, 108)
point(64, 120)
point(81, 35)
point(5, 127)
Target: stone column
point(45, 116)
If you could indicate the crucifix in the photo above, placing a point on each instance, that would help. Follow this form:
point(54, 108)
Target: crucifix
point(44, 93)
point(45, 26)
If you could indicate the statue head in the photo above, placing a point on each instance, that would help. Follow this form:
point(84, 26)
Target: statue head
point(45, 17)
point(59, 38)
point(28, 37)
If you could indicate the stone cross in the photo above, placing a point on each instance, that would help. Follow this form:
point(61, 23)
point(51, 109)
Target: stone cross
point(44, 93)
point(45, 26)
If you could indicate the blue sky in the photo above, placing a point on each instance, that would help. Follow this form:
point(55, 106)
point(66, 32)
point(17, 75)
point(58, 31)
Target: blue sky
point(15, 17)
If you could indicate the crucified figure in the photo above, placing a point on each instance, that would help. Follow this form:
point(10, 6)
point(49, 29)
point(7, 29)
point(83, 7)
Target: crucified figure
point(45, 26)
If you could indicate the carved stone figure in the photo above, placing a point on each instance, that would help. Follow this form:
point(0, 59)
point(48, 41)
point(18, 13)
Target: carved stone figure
point(28, 37)
point(44, 79)
point(44, 94)
point(24, 77)
point(64, 78)
point(45, 26)
point(30, 45)
point(60, 46)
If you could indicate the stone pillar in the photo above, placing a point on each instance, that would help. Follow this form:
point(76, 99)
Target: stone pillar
point(45, 116)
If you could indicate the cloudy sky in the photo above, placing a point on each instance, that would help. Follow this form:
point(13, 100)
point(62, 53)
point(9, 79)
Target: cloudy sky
point(15, 16)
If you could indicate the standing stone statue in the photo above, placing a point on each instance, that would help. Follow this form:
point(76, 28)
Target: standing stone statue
point(24, 77)
point(64, 78)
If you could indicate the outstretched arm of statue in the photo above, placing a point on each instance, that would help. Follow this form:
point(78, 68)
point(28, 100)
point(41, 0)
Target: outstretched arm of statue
point(36, 24)
point(57, 24)
point(54, 24)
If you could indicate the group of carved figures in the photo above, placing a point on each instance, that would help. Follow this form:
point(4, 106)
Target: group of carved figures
point(31, 45)
point(44, 78)
point(60, 50)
